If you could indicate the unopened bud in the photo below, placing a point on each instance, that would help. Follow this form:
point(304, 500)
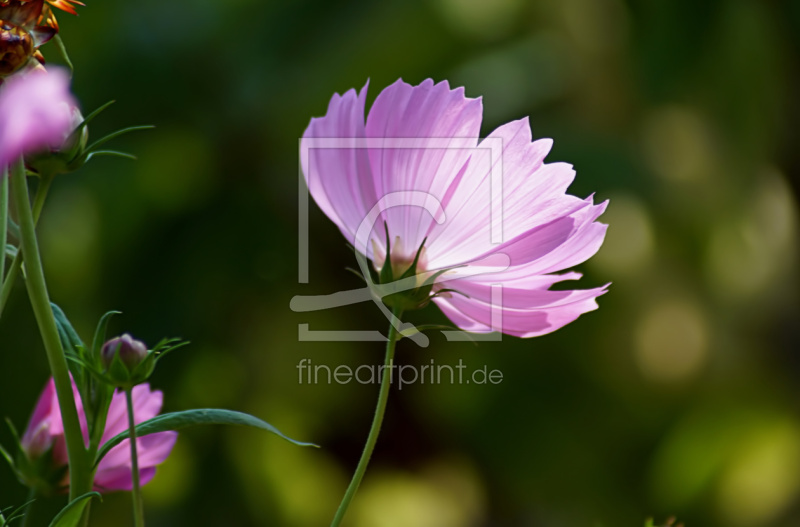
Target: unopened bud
point(131, 352)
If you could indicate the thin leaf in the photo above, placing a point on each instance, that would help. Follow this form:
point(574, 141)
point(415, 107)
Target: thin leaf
point(16, 514)
point(70, 516)
point(187, 418)
point(113, 135)
point(64, 55)
point(95, 113)
point(13, 228)
point(11, 251)
point(8, 458)
point(111, 153)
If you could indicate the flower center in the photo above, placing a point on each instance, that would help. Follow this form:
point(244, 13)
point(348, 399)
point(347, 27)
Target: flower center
point(16, 48)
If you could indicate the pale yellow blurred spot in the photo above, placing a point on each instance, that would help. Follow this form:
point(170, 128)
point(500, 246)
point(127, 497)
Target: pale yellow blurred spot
point(174, 477)
point(671, 341)
point(747, 253)
point(628, 246)
point(596, 26)
point(175, 168)
point(678, 144)
point(764, 478)
point(69, 238)
point(480, 18)
point(442, 495)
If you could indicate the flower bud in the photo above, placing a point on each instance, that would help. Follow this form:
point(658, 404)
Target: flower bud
point(131, 352)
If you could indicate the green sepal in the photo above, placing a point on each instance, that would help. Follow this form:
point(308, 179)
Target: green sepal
point(412, 269)
point(70, 516)
point(410, 332)
point(113, 135)
point(100, 334)
point(187, 418)
point(387, 273)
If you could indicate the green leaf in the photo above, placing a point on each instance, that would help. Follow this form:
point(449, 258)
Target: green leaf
point(187, 418)
point(11, 251)
point(70, 516)
point(69, 337)
point(7, 456)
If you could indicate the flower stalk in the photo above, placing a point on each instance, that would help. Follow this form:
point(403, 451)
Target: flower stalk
point(46, 180)
point(80, 472)
point(138, 504)
point(3, 221)
point(377, 421)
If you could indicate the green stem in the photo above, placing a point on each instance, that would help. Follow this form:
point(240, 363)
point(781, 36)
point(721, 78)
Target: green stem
point(79, 466)
point(380, 410)
point(26, 519)
point(3, 220)
point(16, 263)
point(138, 504)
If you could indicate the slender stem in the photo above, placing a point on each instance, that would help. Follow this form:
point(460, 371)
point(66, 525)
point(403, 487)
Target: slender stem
point(26, 519)
point(380, 410)
point(3, 219)
point(79, 466)
point(16, 263)
point(138, 504)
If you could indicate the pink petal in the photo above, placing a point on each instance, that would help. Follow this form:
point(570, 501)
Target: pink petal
point(473, 315)
point(38, 436)
point(339, 178)
point(35, 112)
point(146, 405)
point(449, 124)
point(120, 479)
point(155, 448)
point(533, 194)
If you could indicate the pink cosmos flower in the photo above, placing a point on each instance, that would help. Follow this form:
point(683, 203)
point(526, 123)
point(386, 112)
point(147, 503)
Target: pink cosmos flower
point(45, 431)
point(490, 214)
point(36, 111)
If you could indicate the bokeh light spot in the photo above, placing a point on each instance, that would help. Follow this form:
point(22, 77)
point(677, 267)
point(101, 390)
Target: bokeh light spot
point(629, 242)
point(678, 144)
point(763, 478)
point(671, 341)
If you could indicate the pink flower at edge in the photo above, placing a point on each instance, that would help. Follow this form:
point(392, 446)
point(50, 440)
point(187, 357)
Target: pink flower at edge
point(45, 430)
point(36, 112)
point(545, 230)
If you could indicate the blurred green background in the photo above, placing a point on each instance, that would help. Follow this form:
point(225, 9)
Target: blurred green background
point(678, 396)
